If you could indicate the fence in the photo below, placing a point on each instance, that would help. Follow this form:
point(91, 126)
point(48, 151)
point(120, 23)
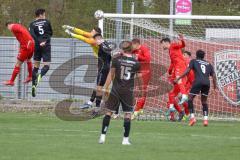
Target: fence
point(70, 63)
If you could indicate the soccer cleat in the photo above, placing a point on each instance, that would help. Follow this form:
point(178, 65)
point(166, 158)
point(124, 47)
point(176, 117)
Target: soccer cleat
point(192, 121)
point(34, 91)
point(125, 141)
point(8, 83)
point(183, 100)
point(205, 123)
point(115, 116)
point(180, 117)
point(102, 139)
point(136, 113)
point(28, 79)
point(86, 106)
point(185, 118)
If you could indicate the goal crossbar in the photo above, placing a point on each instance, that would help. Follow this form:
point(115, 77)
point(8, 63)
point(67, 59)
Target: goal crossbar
point(156, 16)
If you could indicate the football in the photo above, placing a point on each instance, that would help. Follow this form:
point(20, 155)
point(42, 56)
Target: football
point(98, 14)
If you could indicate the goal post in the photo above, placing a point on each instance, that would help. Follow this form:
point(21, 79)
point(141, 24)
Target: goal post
point(218, 36)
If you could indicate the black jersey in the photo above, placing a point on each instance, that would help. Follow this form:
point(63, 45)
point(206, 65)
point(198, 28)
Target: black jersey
point(104, 56)
point(41, 31)
point(126, 68)
point(202, 70)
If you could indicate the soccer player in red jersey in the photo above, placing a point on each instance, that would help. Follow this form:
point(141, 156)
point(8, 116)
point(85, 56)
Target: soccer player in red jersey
point(178, 62)
point(25, 52)
point(143, 55)
point(177, 67)
point(190, 79)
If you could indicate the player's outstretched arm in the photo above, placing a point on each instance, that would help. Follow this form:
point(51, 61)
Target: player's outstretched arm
point(183, 75)
point(109, 80)
point(90, 41)
point(78, 31)
point(82, 32)
point(110, 77)
point(180, 44)
point(214, 81)
point(170, 69)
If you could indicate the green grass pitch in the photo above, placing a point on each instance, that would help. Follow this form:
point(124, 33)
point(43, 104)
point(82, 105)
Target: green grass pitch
point(43, 137)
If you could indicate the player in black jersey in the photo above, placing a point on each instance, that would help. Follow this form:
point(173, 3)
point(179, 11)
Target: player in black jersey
point(202, 70)
point(122, 73)
point(41, 31)
point(104, 61)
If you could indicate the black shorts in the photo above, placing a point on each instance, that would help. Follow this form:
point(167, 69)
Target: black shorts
point(102, 76)
point(43, 53)
point(198, 87)
point(120, 96)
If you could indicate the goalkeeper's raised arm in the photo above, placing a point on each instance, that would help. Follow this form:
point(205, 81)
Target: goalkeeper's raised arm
point(82, 32)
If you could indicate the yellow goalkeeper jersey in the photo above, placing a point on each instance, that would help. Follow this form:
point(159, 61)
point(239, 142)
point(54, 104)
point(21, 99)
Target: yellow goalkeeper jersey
point(87, 38)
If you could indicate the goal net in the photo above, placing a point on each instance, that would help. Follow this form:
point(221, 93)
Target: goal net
point(218, 36)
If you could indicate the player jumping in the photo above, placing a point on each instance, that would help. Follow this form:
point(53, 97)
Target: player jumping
point(101, 51)
point(143, 55)
point(25, 52)
point(41, 31)
point(122, 72)
point(177, 68)
point(202, 70)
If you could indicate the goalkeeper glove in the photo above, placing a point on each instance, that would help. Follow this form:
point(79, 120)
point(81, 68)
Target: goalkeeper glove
point(67, 27)
point(68, 32)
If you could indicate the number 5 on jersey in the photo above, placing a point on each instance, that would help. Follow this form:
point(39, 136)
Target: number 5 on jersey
point(41, 30)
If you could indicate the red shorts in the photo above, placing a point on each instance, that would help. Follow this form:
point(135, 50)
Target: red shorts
point(26, 53)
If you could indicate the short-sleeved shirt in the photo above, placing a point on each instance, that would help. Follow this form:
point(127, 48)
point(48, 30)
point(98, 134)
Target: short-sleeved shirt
point(41, 31)
point(202, 70)
point(22, 34)
point(126, 68)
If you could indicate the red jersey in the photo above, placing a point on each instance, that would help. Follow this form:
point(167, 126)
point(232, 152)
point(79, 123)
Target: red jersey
point(191, 73)
point(144, 57)
point(22, 34)
point(176, 55)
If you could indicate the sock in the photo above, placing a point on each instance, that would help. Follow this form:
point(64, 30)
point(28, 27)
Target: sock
point(94, 93)
point(44, 70)
point(171, 107)
point(190, 106)
point(117, 110)
point(140, 104)
point(29, 66)
point(34, 75)
point(186, 110)
point(205, 111)
point(192, 115)
point(98, 101)
point(127, 126)
point(105, 124)
point(15, 72)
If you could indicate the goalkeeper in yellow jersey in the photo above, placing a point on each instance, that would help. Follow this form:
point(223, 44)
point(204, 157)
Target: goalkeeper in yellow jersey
point(102, 51)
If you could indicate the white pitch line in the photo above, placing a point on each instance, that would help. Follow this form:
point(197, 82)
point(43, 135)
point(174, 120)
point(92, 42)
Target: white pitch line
point(95, 131)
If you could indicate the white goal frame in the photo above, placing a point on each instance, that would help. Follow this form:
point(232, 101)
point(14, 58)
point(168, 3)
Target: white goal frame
point(159, 16)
